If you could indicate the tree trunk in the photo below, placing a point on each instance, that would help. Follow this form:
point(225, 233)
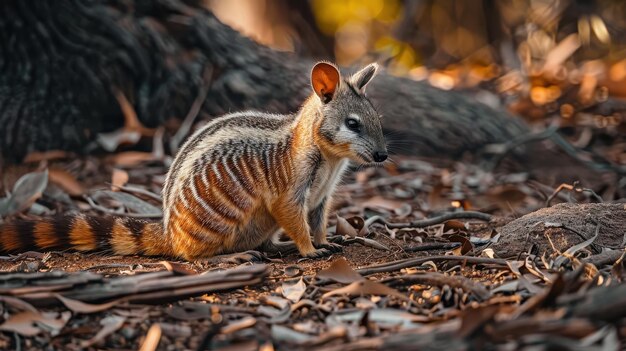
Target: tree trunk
point(62, 61)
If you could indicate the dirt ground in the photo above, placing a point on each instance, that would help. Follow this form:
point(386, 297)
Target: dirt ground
point(473, 274)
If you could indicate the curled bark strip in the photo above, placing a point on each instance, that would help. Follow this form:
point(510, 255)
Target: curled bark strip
point(440, 219)
point(411, 262)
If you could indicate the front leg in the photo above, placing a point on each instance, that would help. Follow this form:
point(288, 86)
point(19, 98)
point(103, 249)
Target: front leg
point(318, 219)
point(291, 215)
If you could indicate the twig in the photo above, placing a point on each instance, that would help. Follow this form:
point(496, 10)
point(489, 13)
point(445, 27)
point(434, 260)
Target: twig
point(439, 219)
point(562, 143)
point(572, 187)
point(440, 279)
point(524, 139)
point(411, 262)
point(433, 246)
point(572, 151)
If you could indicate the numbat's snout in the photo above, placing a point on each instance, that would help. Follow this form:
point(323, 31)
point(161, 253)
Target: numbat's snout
point(239, 179)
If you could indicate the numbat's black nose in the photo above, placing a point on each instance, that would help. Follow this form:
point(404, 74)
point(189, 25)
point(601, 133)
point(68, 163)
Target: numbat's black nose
point(380, 156)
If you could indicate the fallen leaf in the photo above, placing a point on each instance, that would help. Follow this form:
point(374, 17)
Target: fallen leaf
point(453, 224)
point(178, 268)
point(109, 325)
point(111, 141)
point(293, 271)
point(26, 191)
point(366, 287)
point(66, 181)
point(86, 308)
point(387, 318)
point(31, 323)
point(132, 158)
point(118, 179)
point(345, 228)
point(488, 252)
point(340, 271)
point(133, 203)
point(294, 291)
point(466, 244)
point(357, 222)
point(17, 303)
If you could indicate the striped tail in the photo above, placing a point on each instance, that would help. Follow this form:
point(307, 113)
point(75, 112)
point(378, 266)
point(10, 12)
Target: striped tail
point(80, 232)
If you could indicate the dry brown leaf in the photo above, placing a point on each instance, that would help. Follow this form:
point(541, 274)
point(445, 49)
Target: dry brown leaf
point(466, 244)
point(30, 323)
point(132, 158)
point(82, 307)
point(366, 287)
point(25, 192)
point(453, 224)
point(357, 222)
point(110, 325)
point(178, 268)
point(66, 181)
point(293, 291)
point(340, 271)
point(17, 303)
point(345, 228)
point(118, 179)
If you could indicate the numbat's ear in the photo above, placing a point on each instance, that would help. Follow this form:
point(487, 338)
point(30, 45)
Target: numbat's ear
point(325, 80)
point(361, 78)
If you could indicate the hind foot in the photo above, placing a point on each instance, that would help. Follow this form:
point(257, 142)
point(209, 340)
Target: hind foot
point(276, 248)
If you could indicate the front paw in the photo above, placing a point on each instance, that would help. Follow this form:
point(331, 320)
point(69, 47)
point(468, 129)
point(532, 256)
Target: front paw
point(332, 247)
point(319, 253)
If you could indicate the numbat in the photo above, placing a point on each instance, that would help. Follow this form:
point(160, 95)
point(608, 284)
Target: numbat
point(238, 180)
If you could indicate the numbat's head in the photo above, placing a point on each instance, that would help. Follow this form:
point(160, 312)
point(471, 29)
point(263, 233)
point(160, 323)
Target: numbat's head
point(350, 126)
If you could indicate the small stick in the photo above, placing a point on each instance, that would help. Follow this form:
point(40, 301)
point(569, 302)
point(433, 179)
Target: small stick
point(433, 246)
point(411, 262)
point(572, 187)
point(440, 219)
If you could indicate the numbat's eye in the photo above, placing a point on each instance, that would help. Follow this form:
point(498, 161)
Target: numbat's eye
point(352, 124)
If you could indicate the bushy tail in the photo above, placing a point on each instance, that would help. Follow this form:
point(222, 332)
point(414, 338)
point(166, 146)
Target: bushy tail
point(80, 232)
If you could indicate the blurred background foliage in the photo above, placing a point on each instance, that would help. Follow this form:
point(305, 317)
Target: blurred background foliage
point(549, 61)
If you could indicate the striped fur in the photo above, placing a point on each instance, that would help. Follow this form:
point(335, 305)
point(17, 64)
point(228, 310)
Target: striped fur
point(122, 236)
point(237, 181)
